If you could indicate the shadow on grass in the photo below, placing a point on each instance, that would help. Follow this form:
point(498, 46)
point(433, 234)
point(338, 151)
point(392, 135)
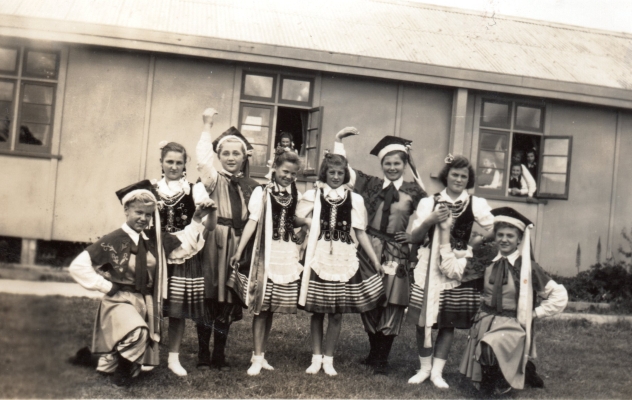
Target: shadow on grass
point(38, 334)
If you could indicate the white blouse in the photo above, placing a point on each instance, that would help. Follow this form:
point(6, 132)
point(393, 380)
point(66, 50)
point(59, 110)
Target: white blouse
point(480, 208)
point(256, 201)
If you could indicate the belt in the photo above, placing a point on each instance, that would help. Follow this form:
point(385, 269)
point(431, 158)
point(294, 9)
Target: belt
point(388, 237)
point(492, 310)
point(229, 222)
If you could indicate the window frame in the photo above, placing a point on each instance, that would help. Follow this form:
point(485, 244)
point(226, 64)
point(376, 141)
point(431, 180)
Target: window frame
point(275, 102)
point(19, 78)
point(511, 131)
point(254, 168)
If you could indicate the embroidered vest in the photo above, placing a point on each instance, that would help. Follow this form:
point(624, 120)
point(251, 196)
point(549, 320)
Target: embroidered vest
point(461, 227)
point(175, 217)
point(335, 221)
point(283, 215)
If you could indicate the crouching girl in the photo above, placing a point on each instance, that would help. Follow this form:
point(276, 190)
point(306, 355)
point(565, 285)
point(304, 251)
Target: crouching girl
point(129, 265)
point(501, 340)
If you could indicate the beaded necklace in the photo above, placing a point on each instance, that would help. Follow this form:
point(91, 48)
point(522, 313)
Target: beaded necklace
point(333, 215)
point(284, 201)
point(170, 202)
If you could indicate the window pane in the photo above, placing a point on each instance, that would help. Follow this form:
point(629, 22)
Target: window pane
point(36, 113)
point(558, 147)
point(5, 125)
point(255, 116)
point(6, 90)
point(495, 114)
point(255, 134)
point(493, 141)
point(529, 117)
point(554, 164)
point(8, 59)
point(260, 155)
point(552, 184)
point(38, 94)
point(491, 159)
point(41, 64)
point(35, 134)
point(295, 90)
point(489, 178)
point(312, 159)
point(259, 86)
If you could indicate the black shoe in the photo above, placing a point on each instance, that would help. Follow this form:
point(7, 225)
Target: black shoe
point(123, 374)
point(84, 358)
point(221, 365)
point(203, 365)
point(531, 377)
point(368, 361)
point(380, 368)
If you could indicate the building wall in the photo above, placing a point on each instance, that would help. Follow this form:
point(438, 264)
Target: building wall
point(101, 136)
point(584, 217)
point(622, 218)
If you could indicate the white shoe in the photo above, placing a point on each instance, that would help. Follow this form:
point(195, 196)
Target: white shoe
point(419, 377)
point(147, 368)
point(177, 369)
point(317, 363)
point(257, 364)
point(328, 366)
point(264, 363)
point(439, 382)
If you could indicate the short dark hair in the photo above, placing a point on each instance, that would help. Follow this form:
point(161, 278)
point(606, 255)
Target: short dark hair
point(173, 146)
point(286, 135)
point(334, 160)
point(503, 224)
point(515, 165)
point(402, 155)
point(531, 151)
point(458, 162)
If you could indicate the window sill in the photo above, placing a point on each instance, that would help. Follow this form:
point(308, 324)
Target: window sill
point(515, 199)
point(29, 154)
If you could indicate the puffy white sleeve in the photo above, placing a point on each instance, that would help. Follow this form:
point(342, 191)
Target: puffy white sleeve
point(83, 272)
point(339, 148)
point(205, 157)
point(555, 300)
point(482, 213)
point(358, 212)
point(424, 209)
point(306, 205)
point(200, 194)
point(451, 266)
point(255, 204)
point(191, 241)
point(531, 185)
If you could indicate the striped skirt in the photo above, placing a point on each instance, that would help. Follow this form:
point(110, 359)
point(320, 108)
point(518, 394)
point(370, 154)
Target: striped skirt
point(278, 298)
point(362, 293)
point(185, 297)
point(457, 306)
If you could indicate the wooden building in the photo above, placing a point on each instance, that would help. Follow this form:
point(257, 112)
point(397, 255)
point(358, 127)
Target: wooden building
point(89, 88)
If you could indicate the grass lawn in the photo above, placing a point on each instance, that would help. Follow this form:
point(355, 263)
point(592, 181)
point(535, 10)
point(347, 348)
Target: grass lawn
point(38, 334)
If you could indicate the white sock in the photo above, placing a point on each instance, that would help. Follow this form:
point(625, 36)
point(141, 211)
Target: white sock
point(436, 374)
point(257, 364)
point(317, 363)
point(328, 366)
point(426, 364)
point(173, 363)
point(424, 370)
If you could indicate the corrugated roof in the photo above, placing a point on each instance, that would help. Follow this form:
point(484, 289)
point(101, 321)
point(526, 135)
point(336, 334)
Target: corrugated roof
point(390, 30)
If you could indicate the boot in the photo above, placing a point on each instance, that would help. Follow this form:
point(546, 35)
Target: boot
point(436, 375)
point(370, 360)
point(220, 337)
point(531, 377)
point(204, 342)
point(382, 349)
point(123, 374)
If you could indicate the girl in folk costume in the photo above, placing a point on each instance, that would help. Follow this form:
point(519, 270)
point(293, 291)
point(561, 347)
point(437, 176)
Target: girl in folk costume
point(334, 282)
point(230, 188)
point(186, 281)
point(272, 284)
point(438, 301)
point(389, 202)
point(501, 341)
point(129, 265)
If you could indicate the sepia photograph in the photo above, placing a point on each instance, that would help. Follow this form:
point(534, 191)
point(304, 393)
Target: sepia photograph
point(324, 199)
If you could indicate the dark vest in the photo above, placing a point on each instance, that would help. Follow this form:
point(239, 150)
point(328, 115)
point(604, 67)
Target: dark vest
point(176, 217)
point(461, 227)
point(290, 210)
point(341, 229)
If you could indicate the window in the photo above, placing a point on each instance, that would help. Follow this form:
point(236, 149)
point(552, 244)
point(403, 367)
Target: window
point(272, 105)
point(512, 149)
point(28, 84)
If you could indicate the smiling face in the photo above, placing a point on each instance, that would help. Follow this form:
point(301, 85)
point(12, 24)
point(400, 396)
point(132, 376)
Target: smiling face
point(139, 215)
point(457, 180)
point(285, 174)
point(530, 157)
point(335, 176)
point(286, 142)
point(173, 165)
point(515, 171)
point(507, 240)
point(393, 167)
point(231, 156)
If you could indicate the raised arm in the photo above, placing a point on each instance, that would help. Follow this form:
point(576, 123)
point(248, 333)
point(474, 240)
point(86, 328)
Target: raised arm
point(204, 152)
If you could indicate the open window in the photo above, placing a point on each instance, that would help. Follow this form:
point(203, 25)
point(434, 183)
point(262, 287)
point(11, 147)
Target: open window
point(515, 159)
point(274, 107)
